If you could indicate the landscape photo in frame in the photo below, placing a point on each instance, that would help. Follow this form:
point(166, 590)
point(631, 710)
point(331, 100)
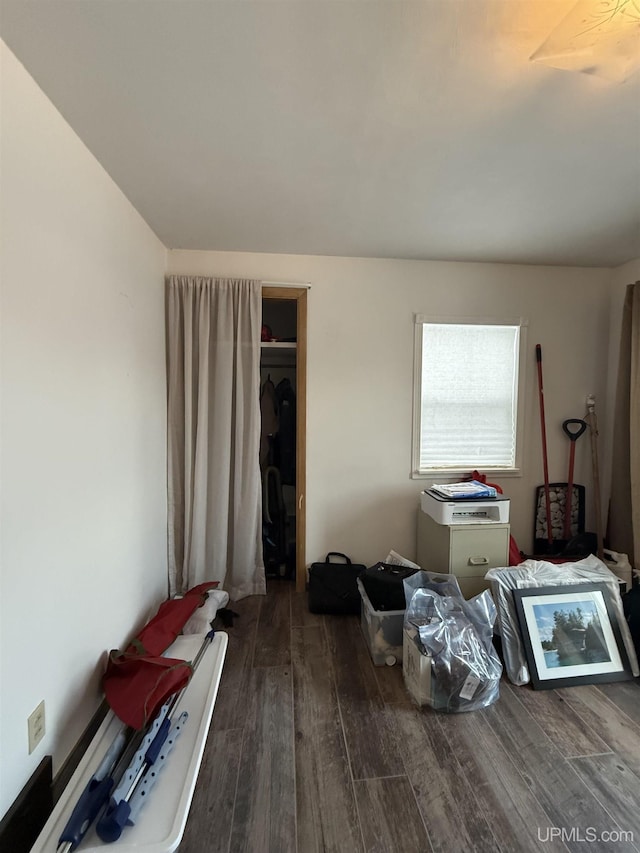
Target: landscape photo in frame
point(571, 635)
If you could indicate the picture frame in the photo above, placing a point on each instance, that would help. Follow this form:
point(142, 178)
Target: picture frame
point(571, 635)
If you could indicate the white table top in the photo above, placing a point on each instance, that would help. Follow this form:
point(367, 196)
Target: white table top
point(163, 818)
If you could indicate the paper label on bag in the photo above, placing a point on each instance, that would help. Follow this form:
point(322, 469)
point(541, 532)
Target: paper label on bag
point(469, 687)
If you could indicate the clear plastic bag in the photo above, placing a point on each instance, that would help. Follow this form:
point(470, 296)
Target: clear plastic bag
point(538, 573)
point(457, 634)
point(442, 584)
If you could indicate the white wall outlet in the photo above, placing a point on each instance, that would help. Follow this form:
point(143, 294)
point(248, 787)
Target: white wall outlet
point(35, 724)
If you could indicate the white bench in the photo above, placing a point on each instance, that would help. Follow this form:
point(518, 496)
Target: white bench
point(163, 818)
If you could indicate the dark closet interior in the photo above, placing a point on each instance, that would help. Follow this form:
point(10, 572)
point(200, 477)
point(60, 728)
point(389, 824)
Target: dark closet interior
point(278, 393)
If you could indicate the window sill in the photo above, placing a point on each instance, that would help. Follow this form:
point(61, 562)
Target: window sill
point(456, 474)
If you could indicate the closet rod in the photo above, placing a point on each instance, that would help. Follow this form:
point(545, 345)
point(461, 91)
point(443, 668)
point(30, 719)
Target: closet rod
point(305, 284)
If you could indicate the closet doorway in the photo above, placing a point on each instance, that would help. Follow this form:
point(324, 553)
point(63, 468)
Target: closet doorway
point(283, 377)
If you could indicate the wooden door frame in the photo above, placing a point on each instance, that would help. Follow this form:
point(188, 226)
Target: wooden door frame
point(299, 294)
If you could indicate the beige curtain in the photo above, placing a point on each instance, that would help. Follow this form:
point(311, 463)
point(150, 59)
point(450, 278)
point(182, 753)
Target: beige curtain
point(214, 488)
point(623, 529)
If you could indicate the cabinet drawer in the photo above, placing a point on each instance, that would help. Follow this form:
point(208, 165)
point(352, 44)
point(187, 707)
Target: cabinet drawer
point(473, 586)
point(475, 551)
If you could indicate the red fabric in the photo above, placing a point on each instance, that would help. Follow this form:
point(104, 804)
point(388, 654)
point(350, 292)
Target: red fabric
point(158, 634)
point(138, 681)
point(137, 686)
point(515, 557)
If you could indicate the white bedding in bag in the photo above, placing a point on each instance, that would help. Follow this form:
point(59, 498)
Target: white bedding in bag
point(535, 573)
point(201, 619)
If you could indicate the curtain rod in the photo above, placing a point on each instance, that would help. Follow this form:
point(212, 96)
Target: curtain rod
point(265, 283)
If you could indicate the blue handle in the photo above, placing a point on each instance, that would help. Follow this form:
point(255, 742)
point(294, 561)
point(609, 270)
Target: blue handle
point(137, 762)
point(113, 821)
point(153, 752)
point(86, 809)
point(151, 776)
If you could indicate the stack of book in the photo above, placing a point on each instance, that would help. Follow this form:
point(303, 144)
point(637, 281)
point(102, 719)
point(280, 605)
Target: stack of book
point(464, 491)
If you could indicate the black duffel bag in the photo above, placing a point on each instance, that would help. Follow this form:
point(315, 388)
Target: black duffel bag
point(384, 585)
point(332, 586)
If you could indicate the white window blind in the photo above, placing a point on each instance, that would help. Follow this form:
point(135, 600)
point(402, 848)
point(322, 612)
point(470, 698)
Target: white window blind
point(468, 396)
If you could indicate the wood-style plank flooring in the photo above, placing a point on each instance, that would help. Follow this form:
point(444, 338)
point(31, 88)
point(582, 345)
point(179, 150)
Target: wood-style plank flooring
point(313, 748)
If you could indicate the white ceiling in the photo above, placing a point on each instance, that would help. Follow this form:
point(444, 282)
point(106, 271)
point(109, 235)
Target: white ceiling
point(345, 127)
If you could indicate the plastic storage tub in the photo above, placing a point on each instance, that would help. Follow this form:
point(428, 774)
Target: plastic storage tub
point(382, 631)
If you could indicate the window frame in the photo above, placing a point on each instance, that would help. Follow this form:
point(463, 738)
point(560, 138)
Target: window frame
point(420, 320)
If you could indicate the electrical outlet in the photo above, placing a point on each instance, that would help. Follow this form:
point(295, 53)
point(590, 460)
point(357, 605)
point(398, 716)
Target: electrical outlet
point(35, 724)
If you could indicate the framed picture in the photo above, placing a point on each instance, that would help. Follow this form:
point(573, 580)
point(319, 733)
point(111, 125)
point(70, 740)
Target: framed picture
point(571, 635)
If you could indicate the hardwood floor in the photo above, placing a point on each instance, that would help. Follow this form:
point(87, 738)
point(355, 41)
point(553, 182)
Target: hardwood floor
point(313, 748)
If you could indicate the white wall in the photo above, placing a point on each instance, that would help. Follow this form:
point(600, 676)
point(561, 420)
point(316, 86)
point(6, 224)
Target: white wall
point(83, 512)
point(360, 498)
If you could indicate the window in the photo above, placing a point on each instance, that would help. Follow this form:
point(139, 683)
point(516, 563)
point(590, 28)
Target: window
point(466, 396)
